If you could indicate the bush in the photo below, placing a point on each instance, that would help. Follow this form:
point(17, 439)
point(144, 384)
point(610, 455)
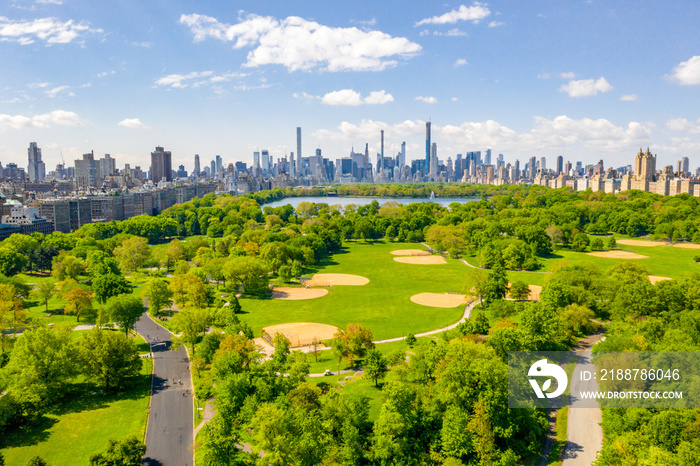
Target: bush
point(410, 339)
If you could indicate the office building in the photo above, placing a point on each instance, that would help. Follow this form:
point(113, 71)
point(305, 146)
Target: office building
point(427, 145)
point(161, 165)
point(87, 171)
point(196, 165)
point(219, 163)
point(36, 170)
point(299, 170)
point(560, 164)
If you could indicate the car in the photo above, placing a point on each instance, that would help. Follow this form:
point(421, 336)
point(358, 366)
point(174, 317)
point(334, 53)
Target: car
point(327, 372)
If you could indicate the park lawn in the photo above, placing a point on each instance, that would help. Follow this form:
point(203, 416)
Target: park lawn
point(81, 426)
point(383, 304)
point(326, 360)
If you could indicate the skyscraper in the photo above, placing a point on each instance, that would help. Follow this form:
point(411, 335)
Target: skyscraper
point(383, 166)
point(196, 165)
point(299, 151)
point(36, 168)
point(256, 160)
point(433, 160)
point(427, 145)
point(402, 156)
point(161, 165)
point(212, 172)
point(219, 164)
point(543, 164)
point(487, 157)
point(560, 164)
point(87, 171)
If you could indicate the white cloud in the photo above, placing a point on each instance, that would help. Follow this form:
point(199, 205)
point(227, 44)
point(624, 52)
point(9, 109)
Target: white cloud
point(133, 123)
point(474, 13)
point(369, 129)
point(299, 44)
point(427, 100)
point(342, 97)
point(629, 97)
point(49, 30)
point(687, 73)
point(58, 90)
point(44, 120)
point(460, 62)
point(544, 76)
point(37, 85)
point(304, 95)
point(454, 99)
point(143, 44)
point(586, 87)
point(200, 78)
point(354, 98)
point(454, 33)
point(105, 73)
point(682, 124)
point(495, 24)
point(53, 2)
point(567, 75)
point(379, 97)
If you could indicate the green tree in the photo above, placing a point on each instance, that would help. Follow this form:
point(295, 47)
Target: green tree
point(45, 291)
point(481, 430)
point(67, 266)
point(128, 452)
point(597, 244)
point(110, 359)
point(519, 290)
point(285, 273)
point(354, 343)
point(375, 365)
point(108, 285)
point(125, 311)
point(191, 322)
point(297, 269)
point(496, 284)
point(158, 294)
point(411, 339)
point(612, 243)
point(235, 305)
point(133, 253)
point(78, 301)
point(575, 319)
point(11, 261)
point(41, 364)
point(37, 461)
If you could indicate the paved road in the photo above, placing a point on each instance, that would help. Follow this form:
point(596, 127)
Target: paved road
point(170, 420)
point(584, 432)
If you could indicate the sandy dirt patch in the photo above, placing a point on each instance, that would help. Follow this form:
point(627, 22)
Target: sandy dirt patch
point(686, 245)
point(640, 242)
point(617, 255)
point(333, 279)
point(428, 260)
point(302, 333)
point(439, 299)
point(534, 293)
point(655, 278)
point(264, 347)
point(410, 252)
point(296, 293)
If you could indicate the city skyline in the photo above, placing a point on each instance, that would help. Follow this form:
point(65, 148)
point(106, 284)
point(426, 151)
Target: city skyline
point(585, 82)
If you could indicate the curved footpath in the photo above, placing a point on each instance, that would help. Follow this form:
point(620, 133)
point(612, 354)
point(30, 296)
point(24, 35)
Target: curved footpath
point(169, 435)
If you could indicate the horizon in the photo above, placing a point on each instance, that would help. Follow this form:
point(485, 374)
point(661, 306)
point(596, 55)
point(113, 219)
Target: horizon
point(586, 82)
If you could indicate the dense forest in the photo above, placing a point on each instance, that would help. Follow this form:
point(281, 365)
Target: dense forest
point(444, 404)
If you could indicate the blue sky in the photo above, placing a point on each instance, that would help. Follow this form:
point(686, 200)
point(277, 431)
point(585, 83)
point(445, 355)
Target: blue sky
point(582, 79)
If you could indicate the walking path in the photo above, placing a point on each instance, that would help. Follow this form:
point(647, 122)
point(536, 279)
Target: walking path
point(169, 435)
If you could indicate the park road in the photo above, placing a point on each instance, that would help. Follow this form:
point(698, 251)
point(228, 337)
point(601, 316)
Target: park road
point(169, 436)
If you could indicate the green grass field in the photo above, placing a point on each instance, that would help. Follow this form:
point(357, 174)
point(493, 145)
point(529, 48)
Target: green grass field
point(82, 425)
point(383, 304)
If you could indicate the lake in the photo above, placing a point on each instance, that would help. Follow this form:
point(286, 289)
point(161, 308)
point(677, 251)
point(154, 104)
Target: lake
point(360, 201)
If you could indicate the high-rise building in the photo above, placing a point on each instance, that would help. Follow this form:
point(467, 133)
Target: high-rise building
point(108, 166)
point(383, 164)
point(487, 157)
point(683, 165)
point(196, 165)
point(256, 160)
point(567, 167)
point(87, 171)
point(212, 170)
point(433, 160)
point(427, 145)
point(161, 165)
point(402, 155)
point(299, 151)
point(532, 167)
point(265, 162)
point(543, 163)
point(36, 168)
point(219, 163)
